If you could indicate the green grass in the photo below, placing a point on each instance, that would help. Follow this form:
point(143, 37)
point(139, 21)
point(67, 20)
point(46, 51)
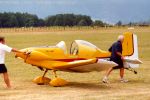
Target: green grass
point(86, 86)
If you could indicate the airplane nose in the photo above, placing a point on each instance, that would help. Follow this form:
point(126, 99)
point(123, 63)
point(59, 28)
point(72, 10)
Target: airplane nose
point(22, 54)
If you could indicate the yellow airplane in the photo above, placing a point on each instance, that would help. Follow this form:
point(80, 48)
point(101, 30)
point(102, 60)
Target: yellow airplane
point(83, 57)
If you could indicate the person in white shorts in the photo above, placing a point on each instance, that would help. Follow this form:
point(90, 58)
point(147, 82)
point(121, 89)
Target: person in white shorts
point(3, 70)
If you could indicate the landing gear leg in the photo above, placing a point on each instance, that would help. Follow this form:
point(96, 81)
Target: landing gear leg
point(45, 73)
point(55, 73)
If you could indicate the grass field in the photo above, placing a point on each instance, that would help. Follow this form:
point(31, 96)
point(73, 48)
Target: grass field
point(86, 86)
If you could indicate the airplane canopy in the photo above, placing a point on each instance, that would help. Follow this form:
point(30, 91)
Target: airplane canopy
point(86, 49)
point(62, 45)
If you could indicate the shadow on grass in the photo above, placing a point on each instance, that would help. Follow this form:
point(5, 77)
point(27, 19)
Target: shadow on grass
point(143, 81)
point(89, 85)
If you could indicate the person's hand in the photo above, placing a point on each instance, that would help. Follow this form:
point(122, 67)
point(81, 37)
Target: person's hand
point(27, 52)
point(122, 58)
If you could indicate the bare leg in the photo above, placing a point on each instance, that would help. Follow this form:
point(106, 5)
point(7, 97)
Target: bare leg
point(108, 72)
point(6, 79)
point(121, 73)
point(105, 78)
point(122, 76)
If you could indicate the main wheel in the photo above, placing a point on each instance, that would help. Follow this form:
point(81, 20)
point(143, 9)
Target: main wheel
point(41, 80)
point(57, 82)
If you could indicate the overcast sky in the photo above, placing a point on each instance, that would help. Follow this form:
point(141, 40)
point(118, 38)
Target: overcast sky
point(107, 10)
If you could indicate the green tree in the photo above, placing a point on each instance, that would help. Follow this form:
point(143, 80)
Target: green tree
point(59, 20)
point(82, 23)
point(68, 20)
point(98, 23)
point(41, 22)
point(119, 23)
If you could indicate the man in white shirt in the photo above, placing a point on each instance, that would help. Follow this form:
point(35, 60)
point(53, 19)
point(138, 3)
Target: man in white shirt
point(3, 70)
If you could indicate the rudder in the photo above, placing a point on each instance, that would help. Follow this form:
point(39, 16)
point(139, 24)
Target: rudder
point(130, 50)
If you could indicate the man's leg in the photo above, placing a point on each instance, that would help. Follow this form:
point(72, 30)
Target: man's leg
point(122, 75)
point(6, 79)
point(108, 72)
point(105, 78)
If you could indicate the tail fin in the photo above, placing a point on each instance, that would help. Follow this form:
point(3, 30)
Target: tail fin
point(129, 45)
point(130, 49)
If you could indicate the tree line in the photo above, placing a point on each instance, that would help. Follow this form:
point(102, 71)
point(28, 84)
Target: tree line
point(9, 19)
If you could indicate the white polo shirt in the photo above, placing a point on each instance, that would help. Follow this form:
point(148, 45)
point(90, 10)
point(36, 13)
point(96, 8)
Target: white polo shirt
point(3, 49)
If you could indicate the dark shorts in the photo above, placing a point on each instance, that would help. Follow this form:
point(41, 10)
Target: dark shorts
point(117, 67)
point(3, 68)
point(120, 64)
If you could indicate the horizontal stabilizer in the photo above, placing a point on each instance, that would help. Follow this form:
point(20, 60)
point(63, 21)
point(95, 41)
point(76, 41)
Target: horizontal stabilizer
point(133, 60)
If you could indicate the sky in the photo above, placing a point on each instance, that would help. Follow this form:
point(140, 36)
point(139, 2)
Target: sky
point(110, 11)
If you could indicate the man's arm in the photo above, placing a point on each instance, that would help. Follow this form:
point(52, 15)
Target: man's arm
point(119, 50)
point(15, 50)
point(110, 49)
point(119, 54)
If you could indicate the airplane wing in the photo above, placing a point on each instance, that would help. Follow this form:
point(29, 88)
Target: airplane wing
point(67, 65)
point(86, 65)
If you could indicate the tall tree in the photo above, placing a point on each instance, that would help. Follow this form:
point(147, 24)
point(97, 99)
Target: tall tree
point(119, 23)
point(98, 23)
